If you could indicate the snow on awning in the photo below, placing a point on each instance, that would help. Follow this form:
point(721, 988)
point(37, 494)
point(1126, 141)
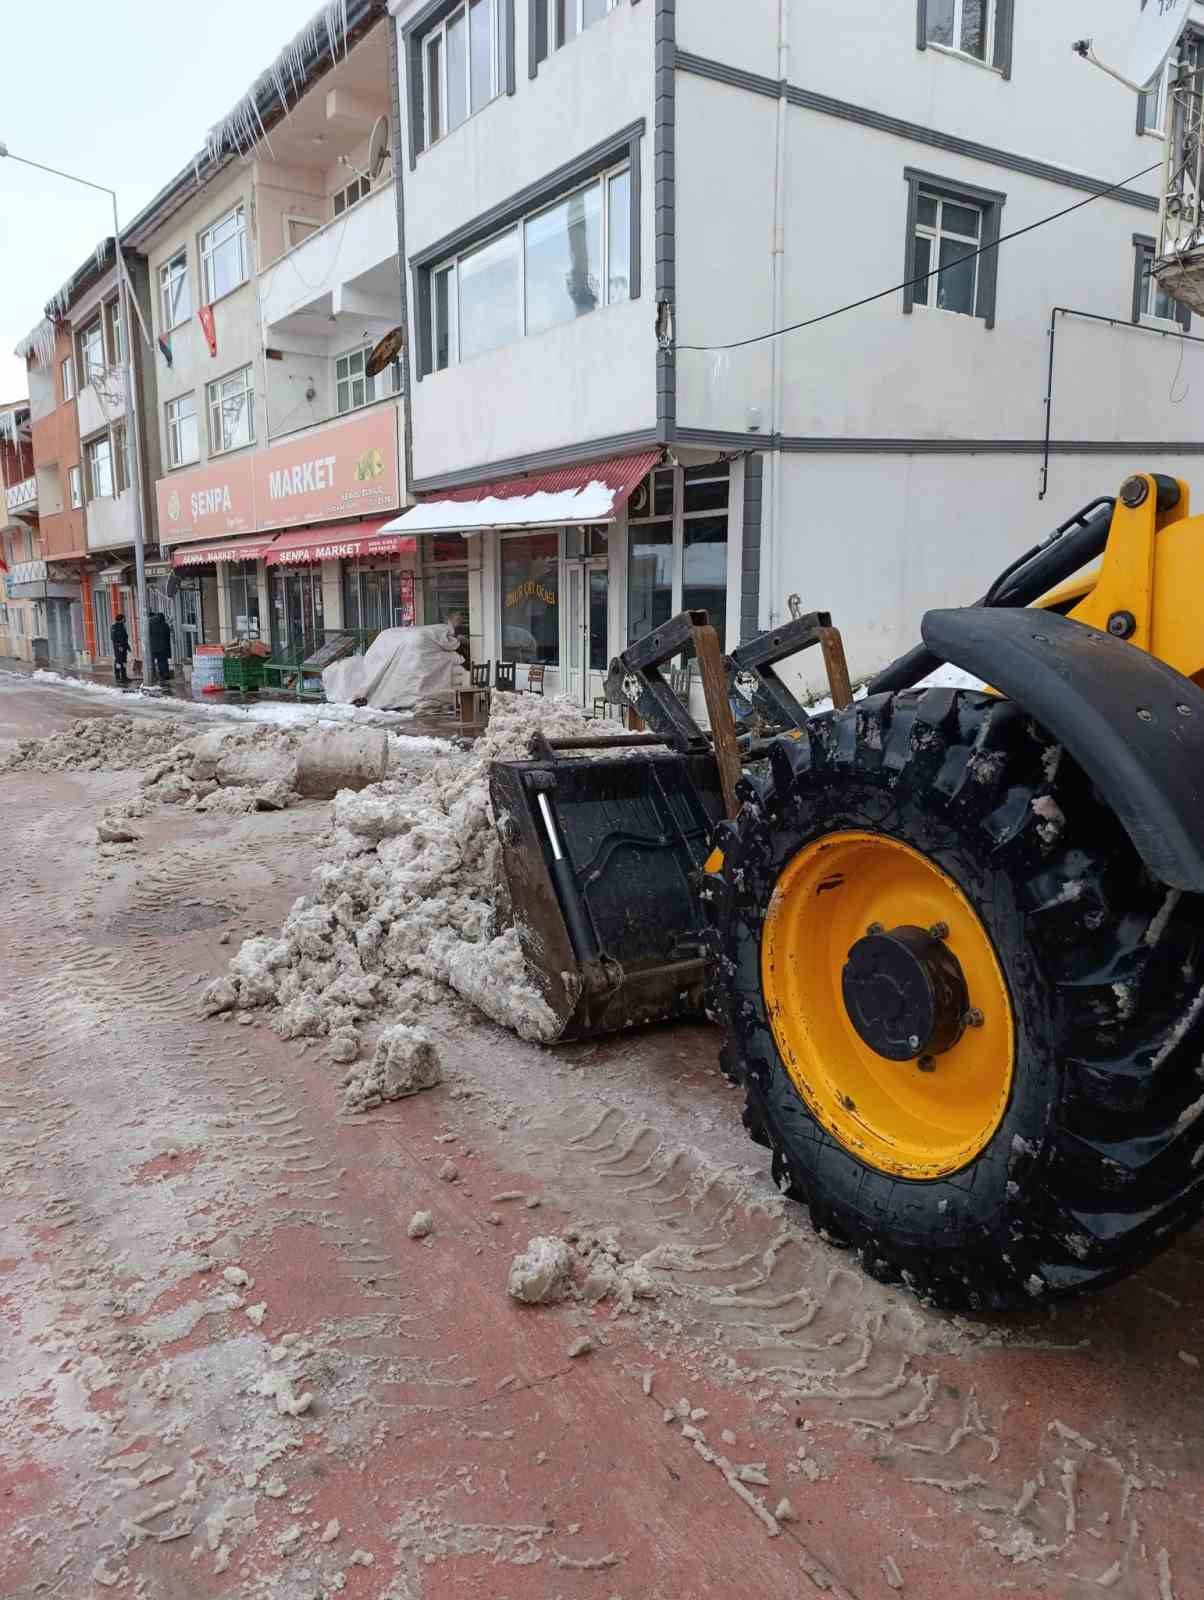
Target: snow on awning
point(595, 491)
point(345, 543)
point(201, 555)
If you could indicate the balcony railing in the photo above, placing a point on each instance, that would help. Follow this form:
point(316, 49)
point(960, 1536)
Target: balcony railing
point(22, 496)
point(312, 275)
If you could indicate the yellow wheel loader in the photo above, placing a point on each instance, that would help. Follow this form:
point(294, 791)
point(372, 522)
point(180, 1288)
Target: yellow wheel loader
point(955, 939)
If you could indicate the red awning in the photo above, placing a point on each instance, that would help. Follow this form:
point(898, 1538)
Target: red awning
point(201, 555)
point(340, 542)
point(594, 491)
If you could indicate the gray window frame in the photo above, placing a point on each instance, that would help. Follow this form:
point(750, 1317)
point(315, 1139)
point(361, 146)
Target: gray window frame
point(1145, 246)
point(1005, 30)
point(990, 202)
point(625, 144)
point(413, 37)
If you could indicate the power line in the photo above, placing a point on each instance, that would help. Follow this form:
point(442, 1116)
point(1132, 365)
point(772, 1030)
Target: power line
point(794, 327)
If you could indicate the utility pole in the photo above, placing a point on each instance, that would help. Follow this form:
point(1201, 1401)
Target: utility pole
point(133, 421)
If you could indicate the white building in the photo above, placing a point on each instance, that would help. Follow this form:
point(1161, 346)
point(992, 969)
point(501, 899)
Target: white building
point(274, 269)
point(596, 195)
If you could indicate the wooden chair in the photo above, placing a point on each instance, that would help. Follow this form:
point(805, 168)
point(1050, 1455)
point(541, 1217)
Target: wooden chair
point(505, 677)
point(679, 683)
point(535, 676)
point(473, 703)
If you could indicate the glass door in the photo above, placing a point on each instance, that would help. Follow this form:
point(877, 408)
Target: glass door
point(597, 627)
point(576, 629)
point(190, 616)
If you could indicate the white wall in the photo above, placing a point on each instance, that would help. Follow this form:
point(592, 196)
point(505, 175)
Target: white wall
point(111, 521)
point(343, 250)
point(879, 540)
point(585, 380)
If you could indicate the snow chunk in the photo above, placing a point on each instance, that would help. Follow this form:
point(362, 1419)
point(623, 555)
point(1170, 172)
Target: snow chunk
point(541, 1274)
point(404, 1063)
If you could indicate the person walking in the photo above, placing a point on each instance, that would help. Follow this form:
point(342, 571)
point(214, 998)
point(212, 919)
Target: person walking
point(160, 646)
point(121, 648)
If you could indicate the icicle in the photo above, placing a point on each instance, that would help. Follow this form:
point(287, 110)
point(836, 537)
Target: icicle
point(102, 251)
point(38, 345)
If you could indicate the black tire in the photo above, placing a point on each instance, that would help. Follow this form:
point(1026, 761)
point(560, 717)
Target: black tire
point(1099, 1159)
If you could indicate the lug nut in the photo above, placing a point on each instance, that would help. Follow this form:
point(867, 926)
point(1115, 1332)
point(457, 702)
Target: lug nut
point(913, 1042)
point(927, 1063)
point(939, 930)
point(973, 1018)
point(1144, 715)
point(1184, 711)
point(874, 929)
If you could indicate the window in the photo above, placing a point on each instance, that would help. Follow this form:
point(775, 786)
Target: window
point(183, 443)
point(98, 458)
point(224, 255)
point(175, 300)
point(1151, 302)
point(980, 29)
point(121, 458)
point(947, 225)
point(231, 411)
point(462, 65)
point(677, 547)
point(567, 18)
point(92, 351)
point(354, 387)
point(1155, 106)
point(355, 191)
point(444, 578)
point(530, 597)
point(75, 488)
point(947, 236)
point(298, 229)
point(571, 258)
point(68, 375)
point(116, 342)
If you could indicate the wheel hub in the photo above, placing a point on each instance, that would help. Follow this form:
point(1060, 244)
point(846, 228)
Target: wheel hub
point(905, 994)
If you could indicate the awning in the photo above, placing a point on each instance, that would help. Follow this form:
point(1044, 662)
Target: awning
point(338, 543)
point(202, 555)
point(595, 491)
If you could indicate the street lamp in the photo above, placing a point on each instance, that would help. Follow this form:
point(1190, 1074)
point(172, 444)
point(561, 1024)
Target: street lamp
point(132, 418)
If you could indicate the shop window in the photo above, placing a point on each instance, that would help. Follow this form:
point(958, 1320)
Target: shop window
point(242, 591)
point(530, 598)
point(377, 595)
point(677, 547)
point(444, 578)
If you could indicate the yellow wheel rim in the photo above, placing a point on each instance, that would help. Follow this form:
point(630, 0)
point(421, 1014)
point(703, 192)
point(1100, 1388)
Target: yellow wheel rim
point(905, 1118)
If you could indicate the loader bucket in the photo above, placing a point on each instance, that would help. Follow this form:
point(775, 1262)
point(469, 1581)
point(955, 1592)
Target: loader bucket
point(602, 857)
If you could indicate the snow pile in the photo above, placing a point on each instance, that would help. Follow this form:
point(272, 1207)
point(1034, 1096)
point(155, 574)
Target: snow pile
point(97, 744)
point(542, 1273)
point(408, 902)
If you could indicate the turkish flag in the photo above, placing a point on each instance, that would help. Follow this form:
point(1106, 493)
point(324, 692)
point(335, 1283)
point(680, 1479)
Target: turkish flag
point(206, 319)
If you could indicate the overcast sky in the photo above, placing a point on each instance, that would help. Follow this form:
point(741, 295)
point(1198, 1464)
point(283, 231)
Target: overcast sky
point(123, 94)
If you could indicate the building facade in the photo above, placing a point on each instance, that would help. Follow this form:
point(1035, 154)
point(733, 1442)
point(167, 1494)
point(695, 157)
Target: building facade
point(606, 206)
point(275, 273)
point(22, 566)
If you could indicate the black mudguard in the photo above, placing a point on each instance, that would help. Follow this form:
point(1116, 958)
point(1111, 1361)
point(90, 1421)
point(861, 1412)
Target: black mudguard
point(1134, 725)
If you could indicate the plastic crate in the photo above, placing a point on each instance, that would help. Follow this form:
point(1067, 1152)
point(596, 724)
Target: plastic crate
point(244, 673)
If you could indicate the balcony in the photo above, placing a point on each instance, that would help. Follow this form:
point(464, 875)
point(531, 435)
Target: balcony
point(22, 499)
point(346, 270)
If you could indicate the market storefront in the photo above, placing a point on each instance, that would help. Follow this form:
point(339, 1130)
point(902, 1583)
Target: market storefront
point(220, 593)
point(561, 570)
point(335, 578)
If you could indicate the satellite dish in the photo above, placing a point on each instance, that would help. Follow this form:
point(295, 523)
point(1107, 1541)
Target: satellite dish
point(1158, 32)
point(378, 145)
point(385, 352)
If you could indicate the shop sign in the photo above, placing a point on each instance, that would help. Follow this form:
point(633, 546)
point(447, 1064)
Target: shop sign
point(346, 470)
point(531, 589)
point(207, 503)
